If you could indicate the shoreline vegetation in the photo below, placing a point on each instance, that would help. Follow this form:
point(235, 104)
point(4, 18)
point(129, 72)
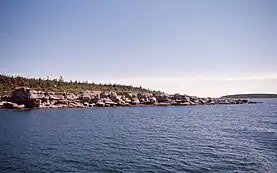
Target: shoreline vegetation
point(21, 92)
point(7, 84)
point(250, 96)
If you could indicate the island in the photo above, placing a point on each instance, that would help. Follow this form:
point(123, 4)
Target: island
point(21, 92)
point(249, 96)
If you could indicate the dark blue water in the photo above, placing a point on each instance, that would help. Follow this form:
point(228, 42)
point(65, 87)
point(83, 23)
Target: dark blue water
point(220, 138)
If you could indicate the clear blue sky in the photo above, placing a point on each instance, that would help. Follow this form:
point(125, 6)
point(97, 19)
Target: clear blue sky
point(197, 47)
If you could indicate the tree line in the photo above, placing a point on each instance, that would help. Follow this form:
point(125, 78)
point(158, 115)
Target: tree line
point(7, 83)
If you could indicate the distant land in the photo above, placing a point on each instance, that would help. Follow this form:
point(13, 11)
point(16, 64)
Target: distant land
point(243, 96)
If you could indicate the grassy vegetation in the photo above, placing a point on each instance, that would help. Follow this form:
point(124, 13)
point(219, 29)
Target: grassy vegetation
point(7, 83)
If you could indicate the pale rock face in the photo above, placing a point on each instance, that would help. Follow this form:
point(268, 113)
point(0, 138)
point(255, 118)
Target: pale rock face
point(135, 101)
point(2, 102)
point(32, 94)
point(114, 97)
point(108, 101)
point(195, 100)
point(95, 98)
point(186, 98)
point(202, 101)
point(144, 95)
point(88, 96)
point(32, 98)
point(86, 104)
point(177, 97)
point(153, 100)
point(62, 102)
point(126, 95)
point(162, 97)
point(85, 96)
point(56, 97)
point(71, 96)
point(122, 103)
point(100, 103)
point(127, 100)
point(24, 96)
point(47, 103)
point(11, 105)
point(104, 94)
point(91, 105)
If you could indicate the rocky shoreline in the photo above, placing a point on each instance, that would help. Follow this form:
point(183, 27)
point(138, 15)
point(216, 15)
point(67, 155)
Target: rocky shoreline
point(22, 97)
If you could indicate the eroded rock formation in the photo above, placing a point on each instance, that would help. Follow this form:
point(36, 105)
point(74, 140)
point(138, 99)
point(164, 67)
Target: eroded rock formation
point(23, 97)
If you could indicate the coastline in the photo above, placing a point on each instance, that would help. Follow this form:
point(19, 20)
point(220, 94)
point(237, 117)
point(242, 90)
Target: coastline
point(23, 97)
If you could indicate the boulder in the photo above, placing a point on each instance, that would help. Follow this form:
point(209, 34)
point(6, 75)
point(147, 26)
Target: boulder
point(85, 96)
point(123, 103)
point(31, 103)
point(71, 96)
point(211, 103)
point(88, 96)
point(175, 103)
point(223, 101)
point(91, 105)
point(53, 106)
point(135, 100)
point(152, 100)
point(127, 100)
point(185, 103)
point(100, 103)
point(162, 98)
point(144, 97)
point(25, 96)
point(244, 101)
point(1, 103)
point(104, 95)
point(202, 101)
point(75, 105)
point(86, 104)
point(20, 106)
point(177, 97)
point(20, 93)
point(10, 105)
point(35, 95)
point(114, 97)
point(126, 95)
point(186, 98)
point(109, 102)
point(62, 102)
point(56, 97)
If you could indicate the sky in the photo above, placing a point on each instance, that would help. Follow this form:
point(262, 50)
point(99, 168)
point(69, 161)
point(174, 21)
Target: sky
point(199, 47)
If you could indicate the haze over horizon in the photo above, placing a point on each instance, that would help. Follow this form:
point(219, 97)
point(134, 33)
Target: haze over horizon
point(203, 48)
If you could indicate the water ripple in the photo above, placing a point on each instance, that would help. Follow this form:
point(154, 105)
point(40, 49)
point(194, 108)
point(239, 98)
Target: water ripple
point(220, 138)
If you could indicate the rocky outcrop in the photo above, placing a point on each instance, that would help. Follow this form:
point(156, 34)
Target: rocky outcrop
point(1, 103)
point(114, 97)
point(10, 105)
point(162, 98)
point(135, 100)
point(23, 97)
point(100, 103)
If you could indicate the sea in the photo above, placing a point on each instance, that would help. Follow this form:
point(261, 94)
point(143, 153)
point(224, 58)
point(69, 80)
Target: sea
point(193, 139)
